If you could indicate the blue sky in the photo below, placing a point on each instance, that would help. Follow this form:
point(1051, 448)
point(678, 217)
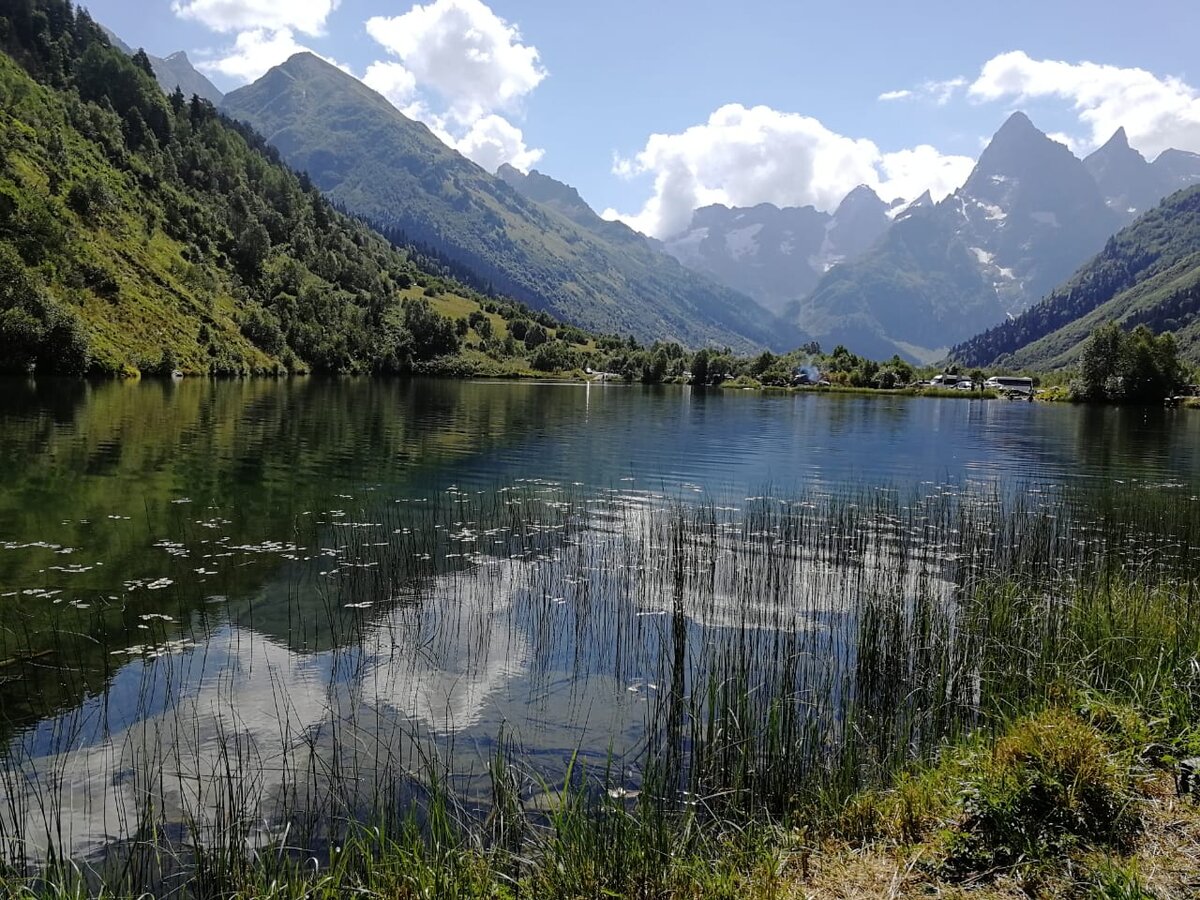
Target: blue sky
point(786, 102)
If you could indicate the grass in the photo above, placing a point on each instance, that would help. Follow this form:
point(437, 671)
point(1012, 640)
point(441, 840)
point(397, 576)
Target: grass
point(984, 689)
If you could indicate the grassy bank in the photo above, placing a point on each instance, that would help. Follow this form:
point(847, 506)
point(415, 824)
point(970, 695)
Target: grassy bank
point(962, 692)
point(1075, 801)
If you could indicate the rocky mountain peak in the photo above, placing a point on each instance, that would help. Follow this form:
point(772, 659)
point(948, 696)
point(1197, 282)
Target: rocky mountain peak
point(1177, 168)
point(1116, 150)
point(861, 200)
point(1118, 140)
point(1019, 149)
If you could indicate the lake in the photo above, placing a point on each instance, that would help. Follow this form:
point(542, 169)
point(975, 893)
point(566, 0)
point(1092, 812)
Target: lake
point(267, 599)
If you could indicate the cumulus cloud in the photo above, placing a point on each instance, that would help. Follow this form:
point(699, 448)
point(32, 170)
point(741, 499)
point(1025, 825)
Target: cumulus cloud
point(466, 53)
point(494, 140)
point(473, 62)
point(909, 173)
point(1157, 112)
point(393, 81)
point(742, 156)
point(252, 54)
point(307, 16)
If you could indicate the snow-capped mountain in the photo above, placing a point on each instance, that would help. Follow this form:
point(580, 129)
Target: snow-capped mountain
point(1026, 218)
point(777, 255)
point(916, 278)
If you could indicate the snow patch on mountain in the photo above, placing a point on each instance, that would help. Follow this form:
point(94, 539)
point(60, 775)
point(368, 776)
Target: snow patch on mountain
point(741, 241)
point(994, 212)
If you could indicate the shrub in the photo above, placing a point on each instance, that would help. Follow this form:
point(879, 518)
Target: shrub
point(554, 356)
point(1050, 784)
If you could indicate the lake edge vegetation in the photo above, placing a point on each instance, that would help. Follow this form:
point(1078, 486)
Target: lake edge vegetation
point(1036, 755)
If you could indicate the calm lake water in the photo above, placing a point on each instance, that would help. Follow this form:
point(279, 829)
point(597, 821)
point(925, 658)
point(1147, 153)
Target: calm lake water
point(425, 570)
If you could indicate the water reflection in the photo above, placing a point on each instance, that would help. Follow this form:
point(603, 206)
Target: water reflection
point(222, 592)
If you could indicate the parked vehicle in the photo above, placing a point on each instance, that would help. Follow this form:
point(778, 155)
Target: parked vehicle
point(944, 380)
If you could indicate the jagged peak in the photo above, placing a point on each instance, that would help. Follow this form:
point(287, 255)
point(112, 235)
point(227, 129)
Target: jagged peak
point(1119, 138)
point(179, 55)
point(1018, 123)
point(861, 192)
point(1116, 146)
point(861, 197)
point(1018, 131)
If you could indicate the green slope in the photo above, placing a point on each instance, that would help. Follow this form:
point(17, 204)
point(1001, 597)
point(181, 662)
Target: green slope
point(372, 160)
point(142, 233)
point(1148, 273)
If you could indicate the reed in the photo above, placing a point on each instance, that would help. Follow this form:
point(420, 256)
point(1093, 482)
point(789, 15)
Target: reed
point(759, 665)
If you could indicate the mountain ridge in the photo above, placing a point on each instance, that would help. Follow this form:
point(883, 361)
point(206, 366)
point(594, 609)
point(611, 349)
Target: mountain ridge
point(1147, 273)
point(1025, 218)
point(374, 161)
point(778, 254)
point(174, 70)
point(141, 233)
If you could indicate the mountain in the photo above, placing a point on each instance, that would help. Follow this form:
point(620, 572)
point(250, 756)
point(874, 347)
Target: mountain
point(1148, 273)
point(1027, 216)
point(141, 233)
point(1178, 169)
point(543, 189)
point(1130, 185)
point(177, 71)
point(778, 255)
point(374, 161)
point(174, 71)
point(565, 200)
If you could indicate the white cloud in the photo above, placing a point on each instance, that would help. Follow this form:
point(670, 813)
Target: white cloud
point(1063, 138)
point(307, 16)
point(1156, 112)
point(463, 51)
point(937, 92)
point(742, 156)
point(494, 140)
point(393, 81)
point(253, 53)
point(474, 63)
point(909, 173)
point(942, 92)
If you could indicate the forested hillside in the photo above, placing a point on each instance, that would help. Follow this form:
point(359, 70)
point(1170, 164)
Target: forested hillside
point(1147, 274)
point(144, 232)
